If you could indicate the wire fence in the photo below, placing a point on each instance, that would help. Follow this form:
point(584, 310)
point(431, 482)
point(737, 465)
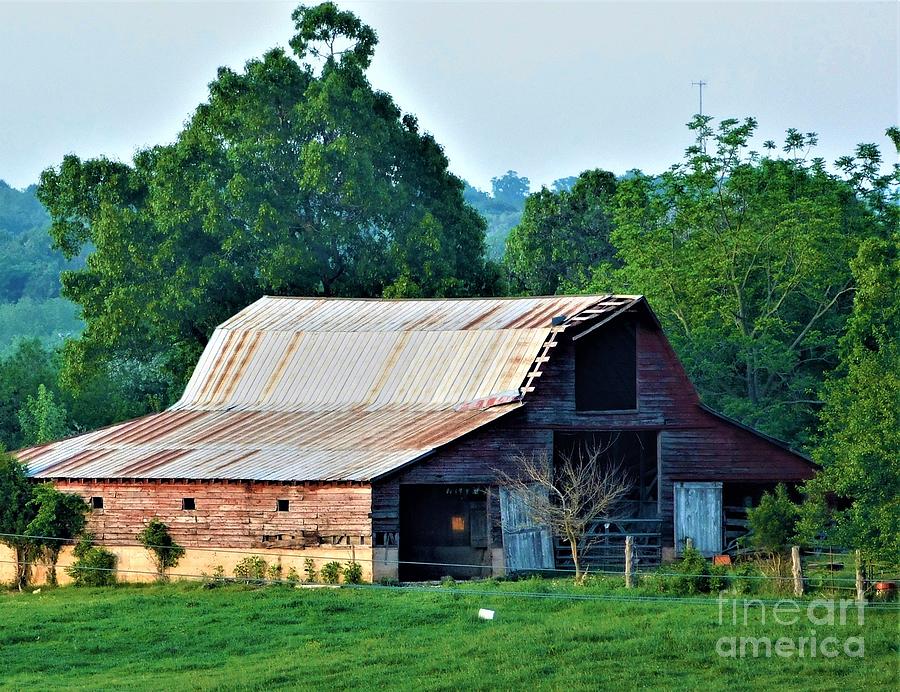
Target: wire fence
point(826, 581)
point(466, 591)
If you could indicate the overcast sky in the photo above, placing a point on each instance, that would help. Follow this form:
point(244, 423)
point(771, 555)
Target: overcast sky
point(547, 89)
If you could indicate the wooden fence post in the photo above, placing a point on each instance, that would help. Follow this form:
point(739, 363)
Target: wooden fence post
point(629, 558)
point(797, 570)
point(860, 584)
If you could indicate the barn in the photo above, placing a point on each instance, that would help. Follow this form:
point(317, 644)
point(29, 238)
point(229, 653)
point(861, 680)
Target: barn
point(374, 430)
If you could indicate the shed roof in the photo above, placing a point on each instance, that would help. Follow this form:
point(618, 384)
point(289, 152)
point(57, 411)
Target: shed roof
point(333, 389)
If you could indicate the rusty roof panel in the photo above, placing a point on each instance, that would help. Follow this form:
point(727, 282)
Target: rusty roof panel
point(332, 389)
point(353, 445)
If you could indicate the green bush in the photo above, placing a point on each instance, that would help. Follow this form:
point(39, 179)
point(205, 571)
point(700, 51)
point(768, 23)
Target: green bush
point(331, 572)
point(719, 578)
point(691, 573)
point(745, 578)
point(309, 568)
point(353, 573)
point(251, 569)
point(162, 547)
point(273, 571)
point(93, 566)
point(216, 579)
point(292, 575)
point(773, 523)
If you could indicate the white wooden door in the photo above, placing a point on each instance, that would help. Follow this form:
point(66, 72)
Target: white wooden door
point(698, 516)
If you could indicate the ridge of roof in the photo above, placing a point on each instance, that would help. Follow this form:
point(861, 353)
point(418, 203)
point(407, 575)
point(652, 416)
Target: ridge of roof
point(598, 296)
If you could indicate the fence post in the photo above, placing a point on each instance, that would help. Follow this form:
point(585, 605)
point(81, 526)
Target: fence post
point(797, 570)
point(629, 558)
point(860, 584)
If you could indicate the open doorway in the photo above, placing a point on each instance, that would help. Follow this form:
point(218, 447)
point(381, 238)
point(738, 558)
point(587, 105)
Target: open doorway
point(443, 532)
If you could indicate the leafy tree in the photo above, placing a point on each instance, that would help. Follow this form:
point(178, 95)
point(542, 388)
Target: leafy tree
point(855, 500)
point(29, 366)
point(510, 189)
point(296, 177)
point(16, 513)
point(564, 184)
point(745, 259)
point(563, 236)
point(159, 542)
point(58, 518)
point(42, 419)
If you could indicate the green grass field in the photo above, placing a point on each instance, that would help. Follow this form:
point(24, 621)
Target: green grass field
point(184, 636)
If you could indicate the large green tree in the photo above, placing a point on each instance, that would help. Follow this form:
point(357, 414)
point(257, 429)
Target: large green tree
point(57, 519)
point(16, 513)
point(745, 258)
point(563, 236)
point(42, 419)
point(855, 500)
point(296, 177)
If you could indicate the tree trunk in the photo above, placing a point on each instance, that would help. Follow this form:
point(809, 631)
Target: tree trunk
point(573, 545)
point(22, 567)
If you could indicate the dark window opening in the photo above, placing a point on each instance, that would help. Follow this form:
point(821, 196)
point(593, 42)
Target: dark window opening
point(284, 505)
point(188, 503)
point(606, 369)
point(97, 502)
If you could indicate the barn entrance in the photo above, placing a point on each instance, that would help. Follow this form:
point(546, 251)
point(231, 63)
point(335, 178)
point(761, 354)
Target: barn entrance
point(443, 528)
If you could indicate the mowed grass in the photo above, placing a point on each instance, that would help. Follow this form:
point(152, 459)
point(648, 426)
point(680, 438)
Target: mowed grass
point(182, 636)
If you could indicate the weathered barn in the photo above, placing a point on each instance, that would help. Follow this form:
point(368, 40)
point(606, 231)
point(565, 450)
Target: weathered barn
point(373, 430)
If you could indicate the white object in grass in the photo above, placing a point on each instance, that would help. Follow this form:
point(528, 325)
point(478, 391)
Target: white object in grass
point(486, 614)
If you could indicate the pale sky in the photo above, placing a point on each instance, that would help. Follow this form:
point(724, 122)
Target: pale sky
point(547, 89)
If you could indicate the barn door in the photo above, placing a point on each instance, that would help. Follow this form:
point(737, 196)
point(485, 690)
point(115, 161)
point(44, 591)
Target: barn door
point(698, 516)
point(527, 546)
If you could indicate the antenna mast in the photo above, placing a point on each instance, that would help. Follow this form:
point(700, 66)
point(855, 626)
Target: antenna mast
point(700, 84)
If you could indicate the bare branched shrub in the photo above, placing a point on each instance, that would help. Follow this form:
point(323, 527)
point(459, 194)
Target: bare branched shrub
point(583, 486)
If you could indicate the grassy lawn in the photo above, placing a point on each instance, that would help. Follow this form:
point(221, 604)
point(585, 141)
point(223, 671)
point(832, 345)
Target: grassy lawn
point(185, 636)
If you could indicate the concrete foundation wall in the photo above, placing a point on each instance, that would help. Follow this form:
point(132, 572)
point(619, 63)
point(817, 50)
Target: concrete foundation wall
point(134, 563)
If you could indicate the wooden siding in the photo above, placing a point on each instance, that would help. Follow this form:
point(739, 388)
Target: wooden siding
point(694, 444)
point(236, 515)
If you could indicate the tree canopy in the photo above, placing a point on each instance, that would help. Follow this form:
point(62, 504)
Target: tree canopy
point(745, 258)
point(296, 177)
point(855, 499)
point(563, 236)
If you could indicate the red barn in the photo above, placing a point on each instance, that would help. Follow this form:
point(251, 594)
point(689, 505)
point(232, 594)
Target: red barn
point(374, 430)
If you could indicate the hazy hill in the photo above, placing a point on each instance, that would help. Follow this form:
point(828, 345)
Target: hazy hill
point(30, 304)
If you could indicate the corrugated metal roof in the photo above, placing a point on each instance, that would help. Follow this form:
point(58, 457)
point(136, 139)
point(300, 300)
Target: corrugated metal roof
point(350, 444)
point(332, 389)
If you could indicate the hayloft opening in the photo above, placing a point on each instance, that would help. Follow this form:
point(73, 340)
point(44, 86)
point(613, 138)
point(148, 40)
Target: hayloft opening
point(188, 503)
point(96, 502)
point(284, 505)
point(606, 368)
